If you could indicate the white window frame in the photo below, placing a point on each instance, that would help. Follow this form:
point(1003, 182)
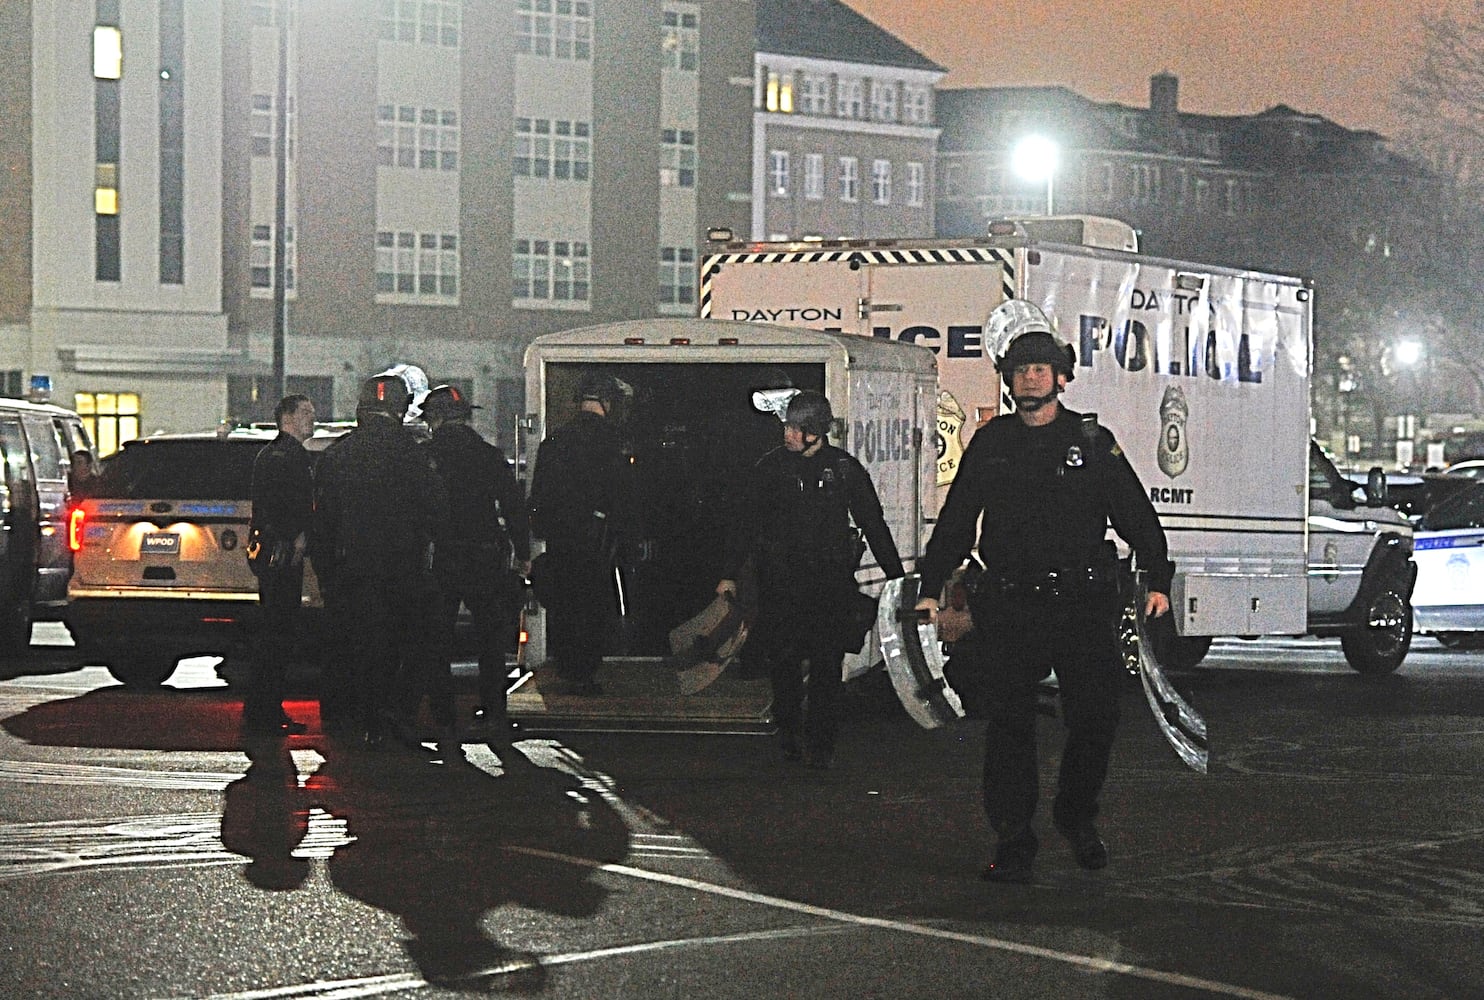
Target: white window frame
point(814, 176)
point(554, 29)
point(916, 104)
point(849, 178)
point(881, 182)
point(814, 94)
point(677, 279)
point(883, 100)
point(680, 39)
point(850, 97)
point(778, 164)
point(916, 185)
point(677, 158)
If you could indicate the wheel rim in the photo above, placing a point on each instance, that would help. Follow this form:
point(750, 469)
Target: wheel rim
point(1388, 620)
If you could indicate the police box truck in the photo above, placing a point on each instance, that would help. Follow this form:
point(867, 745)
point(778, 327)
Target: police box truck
point(692, 432)
point(1201, 372)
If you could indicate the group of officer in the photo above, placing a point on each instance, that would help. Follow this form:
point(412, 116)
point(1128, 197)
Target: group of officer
point(401, 533)
point(1034, 497)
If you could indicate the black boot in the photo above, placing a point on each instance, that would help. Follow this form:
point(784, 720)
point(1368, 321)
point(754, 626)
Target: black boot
point(1013, 856)
point(1087, 847)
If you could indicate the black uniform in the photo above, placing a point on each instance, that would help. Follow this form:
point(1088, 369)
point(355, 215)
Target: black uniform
point(794, 524)
point(380, 504)
point(1048, 599)
point(282, 506)
point(488, 522)
point(581, 502)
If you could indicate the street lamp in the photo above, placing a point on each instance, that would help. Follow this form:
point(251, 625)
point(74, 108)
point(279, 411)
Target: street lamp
point(1407, 354)
point(1036, 158)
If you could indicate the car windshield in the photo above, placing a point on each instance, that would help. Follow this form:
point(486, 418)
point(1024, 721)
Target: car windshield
point(1461, 510)
point(195, 470)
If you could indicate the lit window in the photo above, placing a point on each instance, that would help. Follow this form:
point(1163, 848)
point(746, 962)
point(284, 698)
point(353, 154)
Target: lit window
point(108, 52)
point(106, 189)
point(111, 418)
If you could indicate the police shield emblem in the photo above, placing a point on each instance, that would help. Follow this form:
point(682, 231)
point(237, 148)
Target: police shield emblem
point(951, 419)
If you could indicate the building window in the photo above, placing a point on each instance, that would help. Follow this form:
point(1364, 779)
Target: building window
point(916, 105)
point(881, 182)
point(1148, 185)
point(680, 40)
point(677, 276)
point(172, 143)
point(425, 22)
point(417, 138)
point(262, 258)
point(916, 184)
point(778, 173)
point(677, 157)
point(1202, 194)
point(883, 101)
point(849, 98)
point(1232, 202)
point(108, 71)
point(953, 180)
point(418, 267)
point(814, 176)
point(12, 383)
point(780, 93)
point(554, 29)
point(553, 149)
point(849, 178)
point(264, 124)
point(814, 94)
point(111, 418)
point(552, 270)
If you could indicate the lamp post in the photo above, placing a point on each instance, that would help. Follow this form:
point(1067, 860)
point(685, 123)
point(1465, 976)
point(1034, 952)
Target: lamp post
point(1407, 354)
point(1035, 158)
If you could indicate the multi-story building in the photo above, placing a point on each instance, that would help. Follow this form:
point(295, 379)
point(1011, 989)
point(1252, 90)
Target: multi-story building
point(1191, 183)
point(844, 139)
point(460, 176)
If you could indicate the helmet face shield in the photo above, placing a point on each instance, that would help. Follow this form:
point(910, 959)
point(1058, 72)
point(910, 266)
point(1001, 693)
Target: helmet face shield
point(1019, 333)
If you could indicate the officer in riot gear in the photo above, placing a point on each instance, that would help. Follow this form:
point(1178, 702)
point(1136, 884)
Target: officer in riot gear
point(380, 504)
point(582, 506)
point(282, 505)
point(794, 527)
point(1043, 484)
point(489, 528)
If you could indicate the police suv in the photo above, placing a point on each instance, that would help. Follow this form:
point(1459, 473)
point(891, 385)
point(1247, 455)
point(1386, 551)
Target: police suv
point(157, 550)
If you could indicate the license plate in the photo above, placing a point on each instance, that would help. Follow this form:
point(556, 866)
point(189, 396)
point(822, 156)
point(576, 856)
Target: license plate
point(160, 543)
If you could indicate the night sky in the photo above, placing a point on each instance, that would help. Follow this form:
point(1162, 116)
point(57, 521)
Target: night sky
point(1338, 58)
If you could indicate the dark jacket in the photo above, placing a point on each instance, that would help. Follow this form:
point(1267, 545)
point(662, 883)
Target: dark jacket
point(1047, 495)
point(282, 491)
point(794, 520)
point(581, 487)
point(482, 491)
point(379, 504)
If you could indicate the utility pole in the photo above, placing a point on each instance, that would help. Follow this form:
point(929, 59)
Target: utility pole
point(280, 204)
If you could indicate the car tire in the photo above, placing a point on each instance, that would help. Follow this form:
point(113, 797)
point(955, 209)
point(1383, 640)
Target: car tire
point(1378, 649)
point(1174, 651)
point(141, 671)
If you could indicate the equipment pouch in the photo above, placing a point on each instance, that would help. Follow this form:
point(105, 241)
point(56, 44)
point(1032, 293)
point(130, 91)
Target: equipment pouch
point(860, 616)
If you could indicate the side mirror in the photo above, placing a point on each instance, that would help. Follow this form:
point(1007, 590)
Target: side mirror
point(1375, 487)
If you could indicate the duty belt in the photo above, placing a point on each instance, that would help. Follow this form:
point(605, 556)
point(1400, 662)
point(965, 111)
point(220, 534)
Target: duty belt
point(1052, 584)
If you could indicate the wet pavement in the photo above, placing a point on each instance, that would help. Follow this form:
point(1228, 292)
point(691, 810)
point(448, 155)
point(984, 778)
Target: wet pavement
point(1335, 849)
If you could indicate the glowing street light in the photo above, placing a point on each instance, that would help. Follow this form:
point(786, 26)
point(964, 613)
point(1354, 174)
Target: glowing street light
point(1408, 353)
point(1036, 158)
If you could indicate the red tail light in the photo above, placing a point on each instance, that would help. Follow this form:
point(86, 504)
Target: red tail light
point(75, 519)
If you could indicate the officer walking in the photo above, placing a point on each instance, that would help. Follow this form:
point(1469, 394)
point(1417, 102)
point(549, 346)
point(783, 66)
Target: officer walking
point(581, 504)
point(1047, 482)
point(489, 523)
point(794, 524)
point(282, 506)
point(379, 506)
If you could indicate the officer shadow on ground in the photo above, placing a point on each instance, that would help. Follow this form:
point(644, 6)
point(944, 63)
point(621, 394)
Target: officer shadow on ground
point(115, 717)
point(433, 839)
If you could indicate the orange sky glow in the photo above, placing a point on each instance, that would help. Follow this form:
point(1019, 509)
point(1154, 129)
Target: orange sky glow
point(1338, 58)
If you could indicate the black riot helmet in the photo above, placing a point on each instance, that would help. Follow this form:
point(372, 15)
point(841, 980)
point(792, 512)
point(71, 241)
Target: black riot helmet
point(810, 412)
point(446, 402)
point(1019, 333)
point(599, 388)
point(386, 394)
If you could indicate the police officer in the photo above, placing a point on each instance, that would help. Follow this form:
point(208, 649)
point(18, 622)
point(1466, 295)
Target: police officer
point(794, 524)
point(380, 505)
point(1047, 482)
point(489, 525)
point(282, 505)
point(581, 504)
